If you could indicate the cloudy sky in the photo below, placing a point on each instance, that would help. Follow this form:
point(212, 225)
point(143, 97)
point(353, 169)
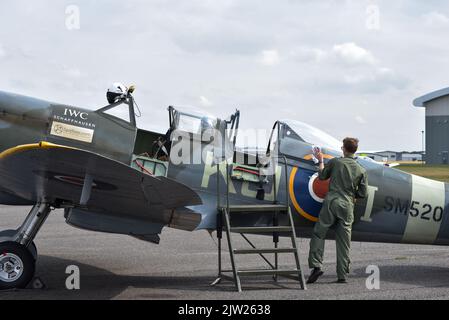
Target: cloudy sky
point(348, 67)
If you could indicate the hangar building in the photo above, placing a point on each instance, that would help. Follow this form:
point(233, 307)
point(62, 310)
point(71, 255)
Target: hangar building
point(392, 156)
point(437, 125)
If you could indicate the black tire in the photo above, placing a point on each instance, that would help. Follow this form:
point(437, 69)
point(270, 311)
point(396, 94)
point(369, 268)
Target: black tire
point(8, 235)
point(28, 262)
point(33, 250)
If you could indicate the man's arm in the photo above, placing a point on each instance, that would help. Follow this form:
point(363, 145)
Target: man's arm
point(362, 190)
point(325, 171)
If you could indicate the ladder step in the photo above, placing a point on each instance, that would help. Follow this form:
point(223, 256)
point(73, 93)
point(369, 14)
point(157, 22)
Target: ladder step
point(258, 251)
point(262, 229)
point(256, 208)
point(267, 272)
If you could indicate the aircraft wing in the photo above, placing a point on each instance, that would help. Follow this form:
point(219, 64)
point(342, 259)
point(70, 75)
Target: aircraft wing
point(392, 165)
point(64, 175)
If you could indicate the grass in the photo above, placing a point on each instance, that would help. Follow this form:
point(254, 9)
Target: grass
point(435, 172)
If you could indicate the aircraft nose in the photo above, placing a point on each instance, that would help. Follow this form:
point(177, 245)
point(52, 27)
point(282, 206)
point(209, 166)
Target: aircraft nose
point(7, 105)
point(4, 110)
point(15, 105)
point(23, 120)
point(5, 121)
point(9, 110)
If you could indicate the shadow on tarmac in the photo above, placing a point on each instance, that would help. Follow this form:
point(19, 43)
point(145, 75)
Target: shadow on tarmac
point(100, 284)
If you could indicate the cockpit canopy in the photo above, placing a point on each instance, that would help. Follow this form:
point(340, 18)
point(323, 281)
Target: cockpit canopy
point(312, 135)
point(192, 120)
point(295, 139)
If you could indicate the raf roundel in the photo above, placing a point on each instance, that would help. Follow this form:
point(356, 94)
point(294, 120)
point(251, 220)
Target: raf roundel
point(318, 189)
point(307, 193)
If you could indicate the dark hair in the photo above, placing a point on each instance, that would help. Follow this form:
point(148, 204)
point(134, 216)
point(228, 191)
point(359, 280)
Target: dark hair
point(351, 145)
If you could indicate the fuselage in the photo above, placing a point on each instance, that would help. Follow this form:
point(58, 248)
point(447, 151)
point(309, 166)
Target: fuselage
point(400, 208)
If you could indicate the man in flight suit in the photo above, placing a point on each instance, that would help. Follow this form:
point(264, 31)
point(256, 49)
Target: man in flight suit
point(348, 182)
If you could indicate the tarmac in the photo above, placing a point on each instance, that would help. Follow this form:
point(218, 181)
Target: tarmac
point(184, 264)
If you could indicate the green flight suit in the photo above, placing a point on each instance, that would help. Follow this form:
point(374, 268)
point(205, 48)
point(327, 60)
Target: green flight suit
point(348, 182)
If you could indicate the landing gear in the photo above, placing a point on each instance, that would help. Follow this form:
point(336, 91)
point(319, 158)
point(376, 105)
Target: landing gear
point(18, 253)
point(17, 266)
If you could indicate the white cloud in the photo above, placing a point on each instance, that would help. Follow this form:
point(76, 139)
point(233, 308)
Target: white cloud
point(435, 18)
point(360, 120)
point(2, 52)
point(375, 81)
point(354, 78)
point(205, 102)
point(72, 72)
point(307, 54)
point(353, 54)
point(270, 58)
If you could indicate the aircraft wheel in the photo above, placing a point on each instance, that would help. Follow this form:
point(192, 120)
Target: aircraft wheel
point(33, 250)
point(17, 266)
point(8, 235)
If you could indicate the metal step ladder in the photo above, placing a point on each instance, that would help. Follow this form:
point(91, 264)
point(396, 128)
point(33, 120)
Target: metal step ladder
point(224, 223)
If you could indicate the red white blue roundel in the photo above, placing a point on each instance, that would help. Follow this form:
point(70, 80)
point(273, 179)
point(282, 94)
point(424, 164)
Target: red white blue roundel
point(307, 193)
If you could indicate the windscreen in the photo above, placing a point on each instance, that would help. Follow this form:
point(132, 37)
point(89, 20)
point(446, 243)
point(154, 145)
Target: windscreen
point(195, 121)
point(313, 135)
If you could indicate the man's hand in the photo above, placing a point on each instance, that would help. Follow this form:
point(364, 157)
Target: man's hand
point(317, 153)
point(319, 156)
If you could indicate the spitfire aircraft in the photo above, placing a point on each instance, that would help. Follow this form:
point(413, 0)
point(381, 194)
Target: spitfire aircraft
point(109, 176)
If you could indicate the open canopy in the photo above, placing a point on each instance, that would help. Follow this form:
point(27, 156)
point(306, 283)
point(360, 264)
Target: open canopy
point(192, 120)
point(312, 135)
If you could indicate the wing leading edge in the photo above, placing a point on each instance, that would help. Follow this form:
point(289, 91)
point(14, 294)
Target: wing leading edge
point(82, 179)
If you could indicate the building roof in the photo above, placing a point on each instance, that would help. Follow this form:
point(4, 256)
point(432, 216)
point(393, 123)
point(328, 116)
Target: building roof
point(421, 101)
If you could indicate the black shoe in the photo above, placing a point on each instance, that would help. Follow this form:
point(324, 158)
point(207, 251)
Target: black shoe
point(342, 281)
point(316, 273)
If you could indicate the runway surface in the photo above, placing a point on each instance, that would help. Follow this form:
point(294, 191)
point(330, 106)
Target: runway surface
point(184, 264)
